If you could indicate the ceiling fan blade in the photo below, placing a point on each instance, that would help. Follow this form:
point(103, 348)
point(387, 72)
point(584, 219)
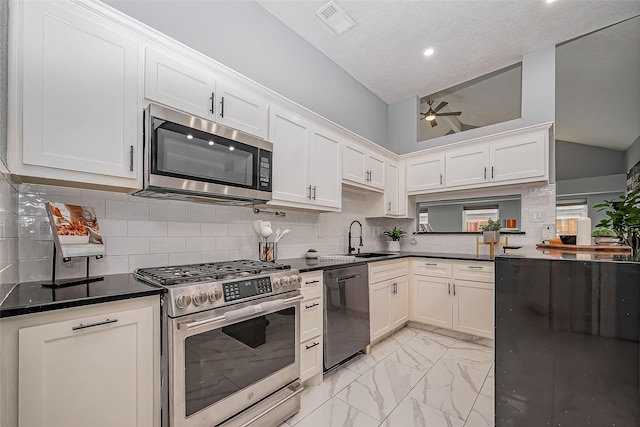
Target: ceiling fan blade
point(433, 123)
point(424, 116)
point(457, 113)
point(441, 105)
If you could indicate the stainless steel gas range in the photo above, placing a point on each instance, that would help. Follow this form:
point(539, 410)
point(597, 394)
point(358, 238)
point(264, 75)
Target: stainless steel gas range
point(231, 350)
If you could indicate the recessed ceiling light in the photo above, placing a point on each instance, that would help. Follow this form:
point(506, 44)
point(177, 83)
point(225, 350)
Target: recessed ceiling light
point(189, 136)
point(210, 142)
point(231, 148)
point(428, 52)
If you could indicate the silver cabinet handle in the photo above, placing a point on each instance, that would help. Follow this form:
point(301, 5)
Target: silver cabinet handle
point(485, 172)
point(449, 286)
point(311, 281)
point(222, 107)
point(492, 172)
point(315, 304)
point(91, 325)
point(314, 192)
point(430, 264)
point(309, 190)
point(312, 345)
point(389, 203)
point(440, 179)
point(475, 266)
point(213, 102)
point(131, 158)
point(454, 289)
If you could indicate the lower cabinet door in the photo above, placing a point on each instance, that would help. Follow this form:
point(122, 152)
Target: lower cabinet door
point(310, 358)
point(95, 371)
point(399, 302)
point(379, 309)
point(431, 301)
point(473, 308)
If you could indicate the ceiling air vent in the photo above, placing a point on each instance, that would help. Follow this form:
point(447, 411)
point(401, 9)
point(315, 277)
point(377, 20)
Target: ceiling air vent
point(335, 18)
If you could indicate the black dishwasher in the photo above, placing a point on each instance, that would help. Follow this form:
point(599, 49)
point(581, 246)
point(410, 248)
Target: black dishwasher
point(346, 313)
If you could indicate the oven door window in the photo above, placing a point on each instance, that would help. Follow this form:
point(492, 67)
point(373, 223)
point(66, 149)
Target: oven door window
point(223, 361)
point(181, 152)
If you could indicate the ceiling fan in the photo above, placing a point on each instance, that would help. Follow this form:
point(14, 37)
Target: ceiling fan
point(431, 115)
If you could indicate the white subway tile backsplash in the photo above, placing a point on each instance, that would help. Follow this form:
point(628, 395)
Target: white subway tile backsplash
point(166, 244)
point(113, 227)
point(126, 245)
point(183, 229)
point(197, 213)
point(113, 264)
point(35, 249)
point(167, 212)
point(185, 258)
point(228, 243)
point(214, 229)
point(152, 260)
point(147, 228)
point(200, 244)
point(243, 230)
point(216, 256)
point(126, 210)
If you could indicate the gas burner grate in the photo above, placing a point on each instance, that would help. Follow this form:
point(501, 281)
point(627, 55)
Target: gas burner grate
point(194, 273)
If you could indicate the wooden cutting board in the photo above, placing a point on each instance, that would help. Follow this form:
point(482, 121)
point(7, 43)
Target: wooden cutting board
point(603, 248)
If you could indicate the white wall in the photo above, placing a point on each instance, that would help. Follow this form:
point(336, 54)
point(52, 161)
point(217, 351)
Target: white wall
point(538, 106)
point(248, 39)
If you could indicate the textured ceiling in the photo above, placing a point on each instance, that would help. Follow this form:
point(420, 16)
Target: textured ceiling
point(384, 51)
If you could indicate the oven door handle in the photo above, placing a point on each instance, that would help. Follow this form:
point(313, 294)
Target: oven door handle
point(239, 313)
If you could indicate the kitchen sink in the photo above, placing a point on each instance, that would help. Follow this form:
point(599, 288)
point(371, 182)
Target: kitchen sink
point(373, 254)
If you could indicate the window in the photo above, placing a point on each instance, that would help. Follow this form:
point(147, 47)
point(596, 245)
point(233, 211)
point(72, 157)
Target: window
point(567, 213)
point(475, 217)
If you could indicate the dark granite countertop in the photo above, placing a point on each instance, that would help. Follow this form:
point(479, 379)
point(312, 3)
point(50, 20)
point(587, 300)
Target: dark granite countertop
point(305, 265)
point(31, 297)
point(531, 252)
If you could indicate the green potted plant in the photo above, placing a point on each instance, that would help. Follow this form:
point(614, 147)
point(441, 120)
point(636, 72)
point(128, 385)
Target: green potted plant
point(491, 231)
point(396, 234)
point(623, 217)
point(602, 236)
point(311, 253)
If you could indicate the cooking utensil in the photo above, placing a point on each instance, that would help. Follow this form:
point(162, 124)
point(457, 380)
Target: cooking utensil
point(278, 233)
point(265, 230)
point(284, 233)
point(256, 227)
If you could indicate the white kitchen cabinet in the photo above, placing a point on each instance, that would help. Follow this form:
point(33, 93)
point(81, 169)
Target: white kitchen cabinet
point(393, 202)
point(177, 82)
point(455, 295)
point(518, 158)
point(424, 173)
point(363, 167)
point(306, 162)
point(388, 296)
point(311, 327)
point(95, 365)
point(392, 189)
point(467, 167)
point(78, 110)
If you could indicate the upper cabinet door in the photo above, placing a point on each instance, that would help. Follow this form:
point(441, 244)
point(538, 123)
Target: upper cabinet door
point(467, 167)
point(326, 164)
point(392, 190)
point(80, 108)
point(354, 159)
point(174, 82)
point(240, 109)
point(425, 173)
point(375, 168)
point(291, 144)
point(518, 158)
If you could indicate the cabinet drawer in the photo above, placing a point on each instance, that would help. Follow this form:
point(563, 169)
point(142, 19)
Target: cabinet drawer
point(310, 318)
point(385, 270)
point(312, 284)
point(433, 268)
point(310, 358)
point(477, 271)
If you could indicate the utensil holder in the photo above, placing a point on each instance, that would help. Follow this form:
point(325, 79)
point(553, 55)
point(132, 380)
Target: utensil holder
point(268, 251)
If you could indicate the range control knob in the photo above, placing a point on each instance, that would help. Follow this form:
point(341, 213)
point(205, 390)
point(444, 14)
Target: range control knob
point(277, 282)
point(286, 281)
point(215, 294)
point(183, 300)
point(199, 298)
point(296, 279)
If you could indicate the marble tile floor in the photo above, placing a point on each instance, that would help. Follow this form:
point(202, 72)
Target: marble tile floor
point(415, 377)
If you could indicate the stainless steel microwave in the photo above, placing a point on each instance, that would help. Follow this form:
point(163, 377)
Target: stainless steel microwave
point(189, 158)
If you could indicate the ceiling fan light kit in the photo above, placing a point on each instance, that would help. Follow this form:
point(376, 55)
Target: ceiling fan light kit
point(431, 115)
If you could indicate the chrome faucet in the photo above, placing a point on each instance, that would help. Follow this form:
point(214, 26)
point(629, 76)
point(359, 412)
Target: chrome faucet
point(349, 247)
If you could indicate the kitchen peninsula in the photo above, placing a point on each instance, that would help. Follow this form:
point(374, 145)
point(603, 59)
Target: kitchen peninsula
point(567, 332)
